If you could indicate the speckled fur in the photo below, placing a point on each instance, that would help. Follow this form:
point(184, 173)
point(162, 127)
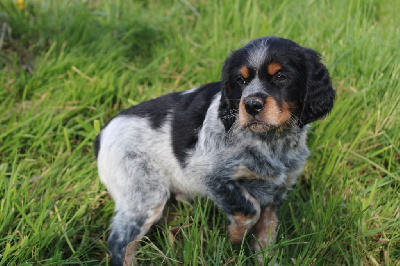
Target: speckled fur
point(192, 143)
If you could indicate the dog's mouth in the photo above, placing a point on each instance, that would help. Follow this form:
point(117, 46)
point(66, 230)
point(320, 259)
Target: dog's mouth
point(259, 126)
point(263, 115)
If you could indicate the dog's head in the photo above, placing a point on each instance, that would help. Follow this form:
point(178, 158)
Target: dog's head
point(273, 83)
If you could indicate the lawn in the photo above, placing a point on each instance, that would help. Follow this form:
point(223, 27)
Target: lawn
point(67, 67)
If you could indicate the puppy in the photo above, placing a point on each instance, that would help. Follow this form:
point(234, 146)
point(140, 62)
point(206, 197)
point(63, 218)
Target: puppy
point(240, 142)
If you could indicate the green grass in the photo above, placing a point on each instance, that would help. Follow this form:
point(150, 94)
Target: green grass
point(67, 67)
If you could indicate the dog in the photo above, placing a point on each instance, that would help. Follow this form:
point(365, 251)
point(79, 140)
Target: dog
point(241, 142)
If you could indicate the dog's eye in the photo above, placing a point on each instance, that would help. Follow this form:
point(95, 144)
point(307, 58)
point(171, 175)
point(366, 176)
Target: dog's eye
point(280, 77)
point(241, 80)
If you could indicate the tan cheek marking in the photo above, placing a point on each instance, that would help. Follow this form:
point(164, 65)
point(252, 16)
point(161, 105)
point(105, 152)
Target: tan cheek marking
point(273, 68)
point(244, 71)
point(285, 114)
point(273, 114)
point(242, 114)
point(265, 229)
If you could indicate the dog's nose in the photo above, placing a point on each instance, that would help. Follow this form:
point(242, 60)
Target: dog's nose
point(253, 106)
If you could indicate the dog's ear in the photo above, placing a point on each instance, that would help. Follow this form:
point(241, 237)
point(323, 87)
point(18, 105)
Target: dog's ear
point(226, 112)
point(230, 96)
point(319, 95)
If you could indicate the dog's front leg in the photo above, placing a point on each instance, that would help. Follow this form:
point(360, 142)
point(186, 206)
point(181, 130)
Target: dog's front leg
point(243, 210)
point(264, 231)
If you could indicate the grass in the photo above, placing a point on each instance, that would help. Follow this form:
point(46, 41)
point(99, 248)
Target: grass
point(67, 67)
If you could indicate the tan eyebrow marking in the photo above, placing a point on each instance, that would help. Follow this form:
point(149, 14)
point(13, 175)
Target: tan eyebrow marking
point(273, 68)
point(244, 71)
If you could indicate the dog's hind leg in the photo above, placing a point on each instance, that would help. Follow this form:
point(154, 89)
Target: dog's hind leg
point(128, 226)
point(140, 193)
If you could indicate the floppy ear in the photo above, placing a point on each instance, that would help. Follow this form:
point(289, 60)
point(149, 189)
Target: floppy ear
point(230, 96)
point(319, 96)
point(224, 110)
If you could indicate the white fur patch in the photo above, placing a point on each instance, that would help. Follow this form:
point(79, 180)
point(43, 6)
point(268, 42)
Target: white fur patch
point(188, 91)
point(257, 53)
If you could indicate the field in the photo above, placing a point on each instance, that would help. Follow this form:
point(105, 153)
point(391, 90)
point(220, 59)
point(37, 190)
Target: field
point(67, 67)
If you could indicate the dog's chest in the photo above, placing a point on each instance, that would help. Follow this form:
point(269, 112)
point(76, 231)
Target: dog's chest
point(274, 160)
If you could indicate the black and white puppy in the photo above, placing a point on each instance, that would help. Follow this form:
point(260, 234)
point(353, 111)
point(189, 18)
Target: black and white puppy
point(240, 142)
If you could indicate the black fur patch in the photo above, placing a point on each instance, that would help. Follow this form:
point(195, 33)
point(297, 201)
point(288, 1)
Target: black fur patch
point(97, 145)
point(188, 111)
point(155, 110)
point(189, 114)
point(229, 197)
